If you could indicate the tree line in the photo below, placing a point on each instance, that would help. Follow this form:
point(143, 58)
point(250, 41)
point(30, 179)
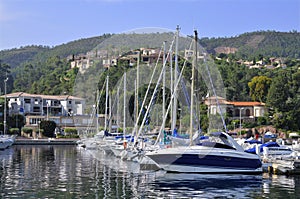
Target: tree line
point(47, 71)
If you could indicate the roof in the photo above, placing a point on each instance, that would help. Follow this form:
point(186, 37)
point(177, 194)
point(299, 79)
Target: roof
point(221, 100)
point(247, 103)
point(54, 97)
point(214, 100)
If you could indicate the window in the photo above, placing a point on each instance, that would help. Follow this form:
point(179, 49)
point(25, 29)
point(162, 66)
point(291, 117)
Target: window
point(248, 112)
point(27, 101)
point(229, 112)
point(237, 112)
point(34, 120)
point(214, 110)
point(257, 112)
point(36, 109)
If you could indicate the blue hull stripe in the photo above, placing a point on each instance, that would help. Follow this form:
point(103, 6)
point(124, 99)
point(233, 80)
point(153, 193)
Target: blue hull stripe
point(208, 161)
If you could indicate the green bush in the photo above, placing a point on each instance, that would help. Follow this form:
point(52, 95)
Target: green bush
point(27, 130)
point(14, 131)
point(67, 136)
point(249, 125)
point(243, 132)
point(70, 131)
point(262, 120)
point(48, 128)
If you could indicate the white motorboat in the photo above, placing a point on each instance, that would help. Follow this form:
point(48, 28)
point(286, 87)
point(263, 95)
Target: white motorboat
point(208, 157)
point(271, 149)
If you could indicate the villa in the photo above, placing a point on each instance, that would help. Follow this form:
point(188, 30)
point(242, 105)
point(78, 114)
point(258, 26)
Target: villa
point(247, 111)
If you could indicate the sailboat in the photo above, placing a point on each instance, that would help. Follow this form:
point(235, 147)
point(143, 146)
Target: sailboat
point(220, 153)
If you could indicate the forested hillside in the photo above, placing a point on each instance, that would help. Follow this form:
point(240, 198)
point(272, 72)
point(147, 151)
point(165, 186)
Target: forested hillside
point(18, 56)
point(29, 66)
point(266, 43)
point(45, 70)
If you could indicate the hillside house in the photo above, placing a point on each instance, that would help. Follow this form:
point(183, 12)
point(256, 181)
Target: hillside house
point(246, 111)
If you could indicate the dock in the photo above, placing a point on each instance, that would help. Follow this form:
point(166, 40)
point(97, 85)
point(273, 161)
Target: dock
point(45, 141)
point(283, 167)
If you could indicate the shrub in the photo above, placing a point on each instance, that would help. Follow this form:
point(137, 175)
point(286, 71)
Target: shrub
point(48, 128)
point(14, 131)
point(67, 136)
point(70, 131)
point(243, 132)
point(249, 125)
point(262, 120)
point(27, 130)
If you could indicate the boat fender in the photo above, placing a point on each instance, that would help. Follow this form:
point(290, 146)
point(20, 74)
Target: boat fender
point(125, 145)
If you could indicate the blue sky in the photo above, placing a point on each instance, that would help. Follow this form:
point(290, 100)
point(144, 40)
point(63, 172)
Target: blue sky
point(53, 22)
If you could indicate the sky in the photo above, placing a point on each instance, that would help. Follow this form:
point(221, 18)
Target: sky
point(54, 22)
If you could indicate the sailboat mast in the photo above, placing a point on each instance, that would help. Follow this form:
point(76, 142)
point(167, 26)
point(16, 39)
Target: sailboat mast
point(164, 85)
point(175, 80)
point(110, 114)
point(197, 115)
point(97, 111)
point(136, 101)
point(137, 85)
point(171, 86)
point(118, 98)
point(106, 103)
point(192, 88)
point(124, 108)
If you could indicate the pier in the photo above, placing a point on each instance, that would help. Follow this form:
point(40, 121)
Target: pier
point(283, 167)
point(45, 141)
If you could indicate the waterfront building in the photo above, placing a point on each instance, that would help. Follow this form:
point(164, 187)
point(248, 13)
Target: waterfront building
point(35, 104)
point(64, 110)
point(246, 111)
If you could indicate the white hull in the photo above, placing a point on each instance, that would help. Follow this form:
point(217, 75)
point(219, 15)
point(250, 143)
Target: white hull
point(117, 150)
point(205, 169)
point(202, 159)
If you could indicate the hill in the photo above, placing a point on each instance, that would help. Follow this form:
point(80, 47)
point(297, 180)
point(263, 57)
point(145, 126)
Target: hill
point(249, 45)
point(17, 56)
point(45, 70)
point(246, 46)
point(37, 60)
point(14, 57)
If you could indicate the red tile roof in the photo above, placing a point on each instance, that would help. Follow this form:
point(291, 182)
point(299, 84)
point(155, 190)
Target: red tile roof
point(247, 103)
point(221, 100)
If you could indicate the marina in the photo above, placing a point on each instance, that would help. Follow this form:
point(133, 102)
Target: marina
point(57, 171)
point(152, 139)
point(279, 164)
point(98, 100)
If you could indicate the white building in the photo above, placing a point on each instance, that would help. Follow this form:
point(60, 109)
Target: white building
point(51, 105)
point(247, 111)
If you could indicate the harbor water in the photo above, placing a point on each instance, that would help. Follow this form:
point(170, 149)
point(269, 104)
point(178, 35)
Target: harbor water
point(57, 171)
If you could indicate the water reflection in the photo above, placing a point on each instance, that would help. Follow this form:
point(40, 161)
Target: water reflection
point(281, 186)
point(191, 185)
point(69, 172)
